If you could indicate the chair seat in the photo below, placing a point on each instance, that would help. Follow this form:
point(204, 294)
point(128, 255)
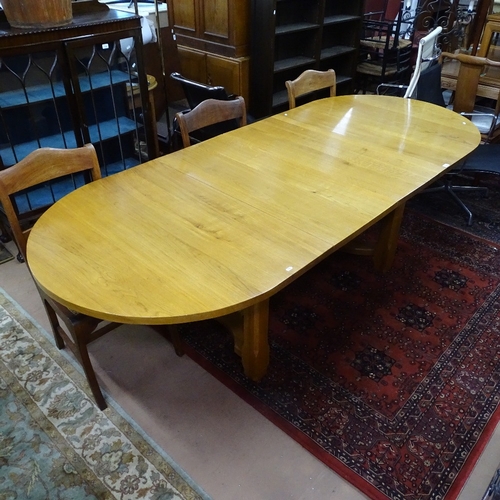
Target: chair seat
point(482, 122)
point(375, 68)
point(485, 158)
point(380, 42)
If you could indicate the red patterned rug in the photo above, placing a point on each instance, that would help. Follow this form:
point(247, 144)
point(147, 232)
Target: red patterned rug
point(392, 380)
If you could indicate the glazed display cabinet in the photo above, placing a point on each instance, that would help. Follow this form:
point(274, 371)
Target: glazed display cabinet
point(67, 86)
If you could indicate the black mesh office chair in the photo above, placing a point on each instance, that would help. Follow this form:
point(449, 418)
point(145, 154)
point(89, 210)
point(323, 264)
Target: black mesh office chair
point(484, 159)
point(428, 86)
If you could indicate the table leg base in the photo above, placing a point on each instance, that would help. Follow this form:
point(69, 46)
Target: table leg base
point(387, 244)
point(384, 251)
point(250, 326)
point(250, 331)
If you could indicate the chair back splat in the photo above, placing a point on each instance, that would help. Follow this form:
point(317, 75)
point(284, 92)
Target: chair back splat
point(42, 165)
point(310, 81)
point(212, 112)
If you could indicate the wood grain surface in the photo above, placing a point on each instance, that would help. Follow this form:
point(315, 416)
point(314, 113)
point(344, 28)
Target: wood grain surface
point(225, 224)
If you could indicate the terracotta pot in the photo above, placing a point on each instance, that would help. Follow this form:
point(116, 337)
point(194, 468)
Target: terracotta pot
point(37, 13)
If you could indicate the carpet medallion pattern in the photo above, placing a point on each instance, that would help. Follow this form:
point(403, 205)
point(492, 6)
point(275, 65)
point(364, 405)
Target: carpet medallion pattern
point(391, 379)
point(55, 443)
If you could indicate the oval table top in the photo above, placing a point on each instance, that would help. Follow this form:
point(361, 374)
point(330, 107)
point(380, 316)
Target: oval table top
point(226, 223)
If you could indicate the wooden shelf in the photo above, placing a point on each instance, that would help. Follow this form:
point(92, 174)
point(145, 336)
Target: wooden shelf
point(293, 62)
point(280, 98)
point(342, 79)
point(295, 28)
point(290, 36)
point(102, 131)
point(47, 92)
point(24, 149)
point(335, 51)
point(340, 19)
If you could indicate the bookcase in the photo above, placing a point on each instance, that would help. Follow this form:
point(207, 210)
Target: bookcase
point(64, 87)
point(290, 36)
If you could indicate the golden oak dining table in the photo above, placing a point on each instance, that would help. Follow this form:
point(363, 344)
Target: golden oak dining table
point(216, 229)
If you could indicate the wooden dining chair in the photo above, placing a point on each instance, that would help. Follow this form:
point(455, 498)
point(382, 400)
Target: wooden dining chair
point(51, 165)
point(210, 113)
point(385, 47)
point(464, 99)
point(41, 166)
point(310, 81)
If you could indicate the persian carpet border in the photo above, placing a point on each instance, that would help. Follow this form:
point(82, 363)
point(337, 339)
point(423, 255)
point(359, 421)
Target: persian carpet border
point(462, 463)
point(57, 397)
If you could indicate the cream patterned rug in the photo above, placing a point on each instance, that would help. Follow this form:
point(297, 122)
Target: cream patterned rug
point(55, 443)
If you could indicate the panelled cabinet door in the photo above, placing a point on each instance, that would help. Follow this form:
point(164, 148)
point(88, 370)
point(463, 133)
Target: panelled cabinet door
point(193, 64)
point(216, 20)
point(217, 26)
point(224, 71)
point(212, 69)
point(182, 15)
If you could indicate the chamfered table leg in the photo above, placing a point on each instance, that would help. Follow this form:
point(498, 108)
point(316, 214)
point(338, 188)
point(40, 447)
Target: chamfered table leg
point(385, 249)
point(255, 348)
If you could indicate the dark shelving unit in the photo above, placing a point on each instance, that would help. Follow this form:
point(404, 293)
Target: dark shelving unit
point(290, 36)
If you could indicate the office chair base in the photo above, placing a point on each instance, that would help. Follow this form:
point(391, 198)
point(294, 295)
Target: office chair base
point(450, 189)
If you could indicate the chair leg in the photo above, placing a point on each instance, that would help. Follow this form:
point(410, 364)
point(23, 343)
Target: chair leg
point(81, 341)
point(462, 205)
point(450, 189)
point(171, 333)
point(54, 323)
point(176, 340)
point(80, 335)
point(471, 188)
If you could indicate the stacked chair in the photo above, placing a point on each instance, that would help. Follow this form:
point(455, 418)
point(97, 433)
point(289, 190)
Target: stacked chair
point(385, 51)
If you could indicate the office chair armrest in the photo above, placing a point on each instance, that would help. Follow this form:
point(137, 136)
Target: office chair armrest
point(400, 89)
point(492, 116)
